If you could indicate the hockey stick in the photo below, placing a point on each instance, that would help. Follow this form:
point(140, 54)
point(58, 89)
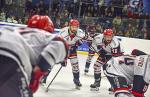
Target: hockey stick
point(94, 50)
point(53, 79)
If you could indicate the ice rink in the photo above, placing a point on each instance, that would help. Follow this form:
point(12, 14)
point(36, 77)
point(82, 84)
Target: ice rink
point(63, 85)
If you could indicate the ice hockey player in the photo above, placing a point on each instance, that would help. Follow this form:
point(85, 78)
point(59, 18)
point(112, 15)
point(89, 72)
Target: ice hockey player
point(129, 75)
point(50, 49)
point(106, 46)
point(74, 36)
point(45, 23)
point(29, 58)
point(91, 33)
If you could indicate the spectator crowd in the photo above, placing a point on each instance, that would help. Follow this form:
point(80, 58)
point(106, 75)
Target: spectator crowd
point(125, 20)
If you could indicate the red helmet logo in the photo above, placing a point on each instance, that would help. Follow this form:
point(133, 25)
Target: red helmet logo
point(41, 22)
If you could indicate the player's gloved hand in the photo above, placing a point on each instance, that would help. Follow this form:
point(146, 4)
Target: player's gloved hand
point(89, 43)
point(36, 77)
point(99, 47)
point(73, 48)
point(78, 43)
point(64, 63)
point(102, 52)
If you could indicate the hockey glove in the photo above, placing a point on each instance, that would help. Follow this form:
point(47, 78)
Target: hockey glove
point(64, 63)
point(101, 50)
point(36, 77)
point(99, 47)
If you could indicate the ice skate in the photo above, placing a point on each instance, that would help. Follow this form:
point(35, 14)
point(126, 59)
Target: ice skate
point(86, 71)
point(77, 84)
point(111, 90)
point(95, 86)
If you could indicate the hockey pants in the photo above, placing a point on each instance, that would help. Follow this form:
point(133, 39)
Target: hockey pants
point(89, 58)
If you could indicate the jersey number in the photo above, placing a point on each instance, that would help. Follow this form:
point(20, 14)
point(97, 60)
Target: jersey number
point(114, 50)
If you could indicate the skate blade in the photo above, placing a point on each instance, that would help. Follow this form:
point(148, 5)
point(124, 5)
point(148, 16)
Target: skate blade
point(78, 87)
point(94, 89)
point(111, 92)
point(46, 90)
point(86, 73)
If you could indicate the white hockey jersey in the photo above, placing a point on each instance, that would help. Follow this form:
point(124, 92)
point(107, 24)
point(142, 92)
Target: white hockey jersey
point(43, 44)
point(78, 37)
point(13, 45)
point(128, 66)
point(114, 47)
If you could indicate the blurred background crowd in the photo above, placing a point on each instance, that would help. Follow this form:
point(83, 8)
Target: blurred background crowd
point(129, 18)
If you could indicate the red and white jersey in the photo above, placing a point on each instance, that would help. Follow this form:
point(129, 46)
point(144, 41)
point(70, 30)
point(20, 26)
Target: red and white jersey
point(112, 48)
point(142, 67)
point(43, 44)
point(26, 45)
point(80, 34)
point(128, 66)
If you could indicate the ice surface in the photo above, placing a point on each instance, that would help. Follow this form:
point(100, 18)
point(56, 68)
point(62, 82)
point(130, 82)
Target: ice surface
point(63, 85)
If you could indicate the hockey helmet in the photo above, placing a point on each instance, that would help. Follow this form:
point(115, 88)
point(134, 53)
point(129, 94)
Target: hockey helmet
point(41, 22)
point(74, 22)
point(108, 32)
